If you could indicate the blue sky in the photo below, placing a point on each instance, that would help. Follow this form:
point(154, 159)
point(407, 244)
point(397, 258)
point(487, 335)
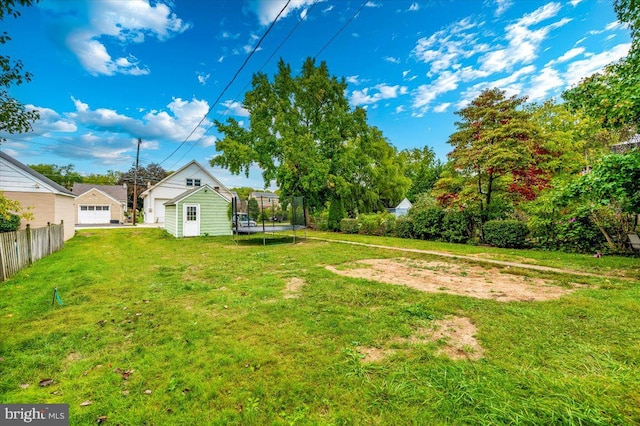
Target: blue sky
point(109, 71)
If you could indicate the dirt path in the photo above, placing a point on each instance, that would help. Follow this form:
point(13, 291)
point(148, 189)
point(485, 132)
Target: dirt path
point(476, 259)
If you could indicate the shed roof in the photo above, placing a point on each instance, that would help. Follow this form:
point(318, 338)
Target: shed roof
point(186, 194)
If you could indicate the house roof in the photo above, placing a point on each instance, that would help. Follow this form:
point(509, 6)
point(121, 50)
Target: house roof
point(146, 192)
point(117, 192)
point(258, 194)
point(45, 180)
point(186, 194)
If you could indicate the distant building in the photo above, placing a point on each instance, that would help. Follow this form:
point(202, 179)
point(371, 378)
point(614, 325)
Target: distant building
point(401, 209)
point(265, 199)
point(621, 148)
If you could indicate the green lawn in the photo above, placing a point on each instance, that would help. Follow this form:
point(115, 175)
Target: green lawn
point(156, 330)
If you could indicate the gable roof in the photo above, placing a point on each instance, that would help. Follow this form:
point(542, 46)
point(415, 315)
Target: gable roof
point(185, 194)
point(404, 204)
point(146, 192)
point(117, 192)
point(45, 180)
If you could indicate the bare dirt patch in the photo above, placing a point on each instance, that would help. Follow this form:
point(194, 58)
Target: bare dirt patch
point(458, 336)
point(371, 354)
point(293, 288)
point(459, 279)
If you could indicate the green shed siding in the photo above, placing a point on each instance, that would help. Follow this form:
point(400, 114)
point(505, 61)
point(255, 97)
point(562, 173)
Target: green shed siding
point(213, 208)
point(170, 220)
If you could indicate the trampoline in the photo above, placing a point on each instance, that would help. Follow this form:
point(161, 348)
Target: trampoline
point(276, 216)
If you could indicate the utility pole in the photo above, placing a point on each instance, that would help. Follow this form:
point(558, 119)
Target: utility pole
point(135, 184)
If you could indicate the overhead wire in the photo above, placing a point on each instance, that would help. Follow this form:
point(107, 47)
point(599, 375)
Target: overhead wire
point(255, 48)
point(277, 49)
point(341, 29)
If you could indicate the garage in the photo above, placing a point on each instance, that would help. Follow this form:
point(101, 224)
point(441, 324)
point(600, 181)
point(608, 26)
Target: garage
point(93, 214)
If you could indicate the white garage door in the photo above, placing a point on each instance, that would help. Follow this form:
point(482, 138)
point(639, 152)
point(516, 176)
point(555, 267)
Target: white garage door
point(94, 214)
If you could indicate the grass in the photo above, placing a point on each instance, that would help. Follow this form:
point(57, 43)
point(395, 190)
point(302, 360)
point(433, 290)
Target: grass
point(204, 326)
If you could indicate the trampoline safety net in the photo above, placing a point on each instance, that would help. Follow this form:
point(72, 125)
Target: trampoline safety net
point(268, 214)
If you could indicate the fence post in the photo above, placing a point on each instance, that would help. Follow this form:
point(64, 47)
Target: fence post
point(3, 274)
point(29, 248)
point(48, 238)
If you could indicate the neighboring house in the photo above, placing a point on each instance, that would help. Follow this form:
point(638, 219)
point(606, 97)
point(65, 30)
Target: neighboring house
point(100, 204)
point(199, 211)
point(265, 199)
point(190, 176)
point(47, 201)
point(401, 209)
point(627, 146)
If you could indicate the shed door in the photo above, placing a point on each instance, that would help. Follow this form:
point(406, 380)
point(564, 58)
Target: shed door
point(93, 214)
point(191, 220)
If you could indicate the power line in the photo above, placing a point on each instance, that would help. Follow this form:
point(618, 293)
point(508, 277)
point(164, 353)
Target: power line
point(341, 28)
point(255, 48)
point(249, 82)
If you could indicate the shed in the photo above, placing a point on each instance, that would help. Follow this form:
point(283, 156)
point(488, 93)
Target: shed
point(402, 209)
point(199, 211)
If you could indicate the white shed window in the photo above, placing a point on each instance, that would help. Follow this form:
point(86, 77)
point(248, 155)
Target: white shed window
point(189, 182)
point(196, 182)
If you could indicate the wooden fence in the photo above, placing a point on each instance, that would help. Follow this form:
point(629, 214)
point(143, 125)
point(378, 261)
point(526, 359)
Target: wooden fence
point(20, 249)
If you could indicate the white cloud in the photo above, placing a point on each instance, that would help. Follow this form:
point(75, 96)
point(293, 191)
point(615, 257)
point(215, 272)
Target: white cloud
point(570, 54)
point(399, 109)
point(544, 83)
point(172, 124)
point(50, 121)
point(227, 35)
point(523, 42)
point(425, 94)
point(379, 92)
point(578, 70)
point(512, 84)
point(353, 79)
point(414, 7)
point(501, 6)
point(267, 10)
point(574, 3)
point(442, 107)
point(202, 77)
point(446, 47)
point(127, 22)
point(372, 4)
point(235, 108)
point(392, 59)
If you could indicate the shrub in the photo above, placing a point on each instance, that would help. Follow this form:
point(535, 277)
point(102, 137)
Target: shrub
point(10, 223)
point(427, 222)
point(506, 233)
point(404, 227)
point(349, 226)
point(377, 224)
point(573, 232)
point(336, 214)
point(455, 227)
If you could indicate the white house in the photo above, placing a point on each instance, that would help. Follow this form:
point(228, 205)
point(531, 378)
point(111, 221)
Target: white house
point(47, 201)
point(184, 179)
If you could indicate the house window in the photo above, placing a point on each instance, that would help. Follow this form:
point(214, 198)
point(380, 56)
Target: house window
point(196, 182)
point(192, 213)
point(189, 182)
point(83, 208)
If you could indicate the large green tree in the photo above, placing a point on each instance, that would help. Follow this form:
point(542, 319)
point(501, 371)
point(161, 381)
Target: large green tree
point(495, 140)
point(612, 96)
point(422, 167)
point(63, 175)
point(305, 137)
point(150, 174)
point(611, 192)
point(14, 118)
